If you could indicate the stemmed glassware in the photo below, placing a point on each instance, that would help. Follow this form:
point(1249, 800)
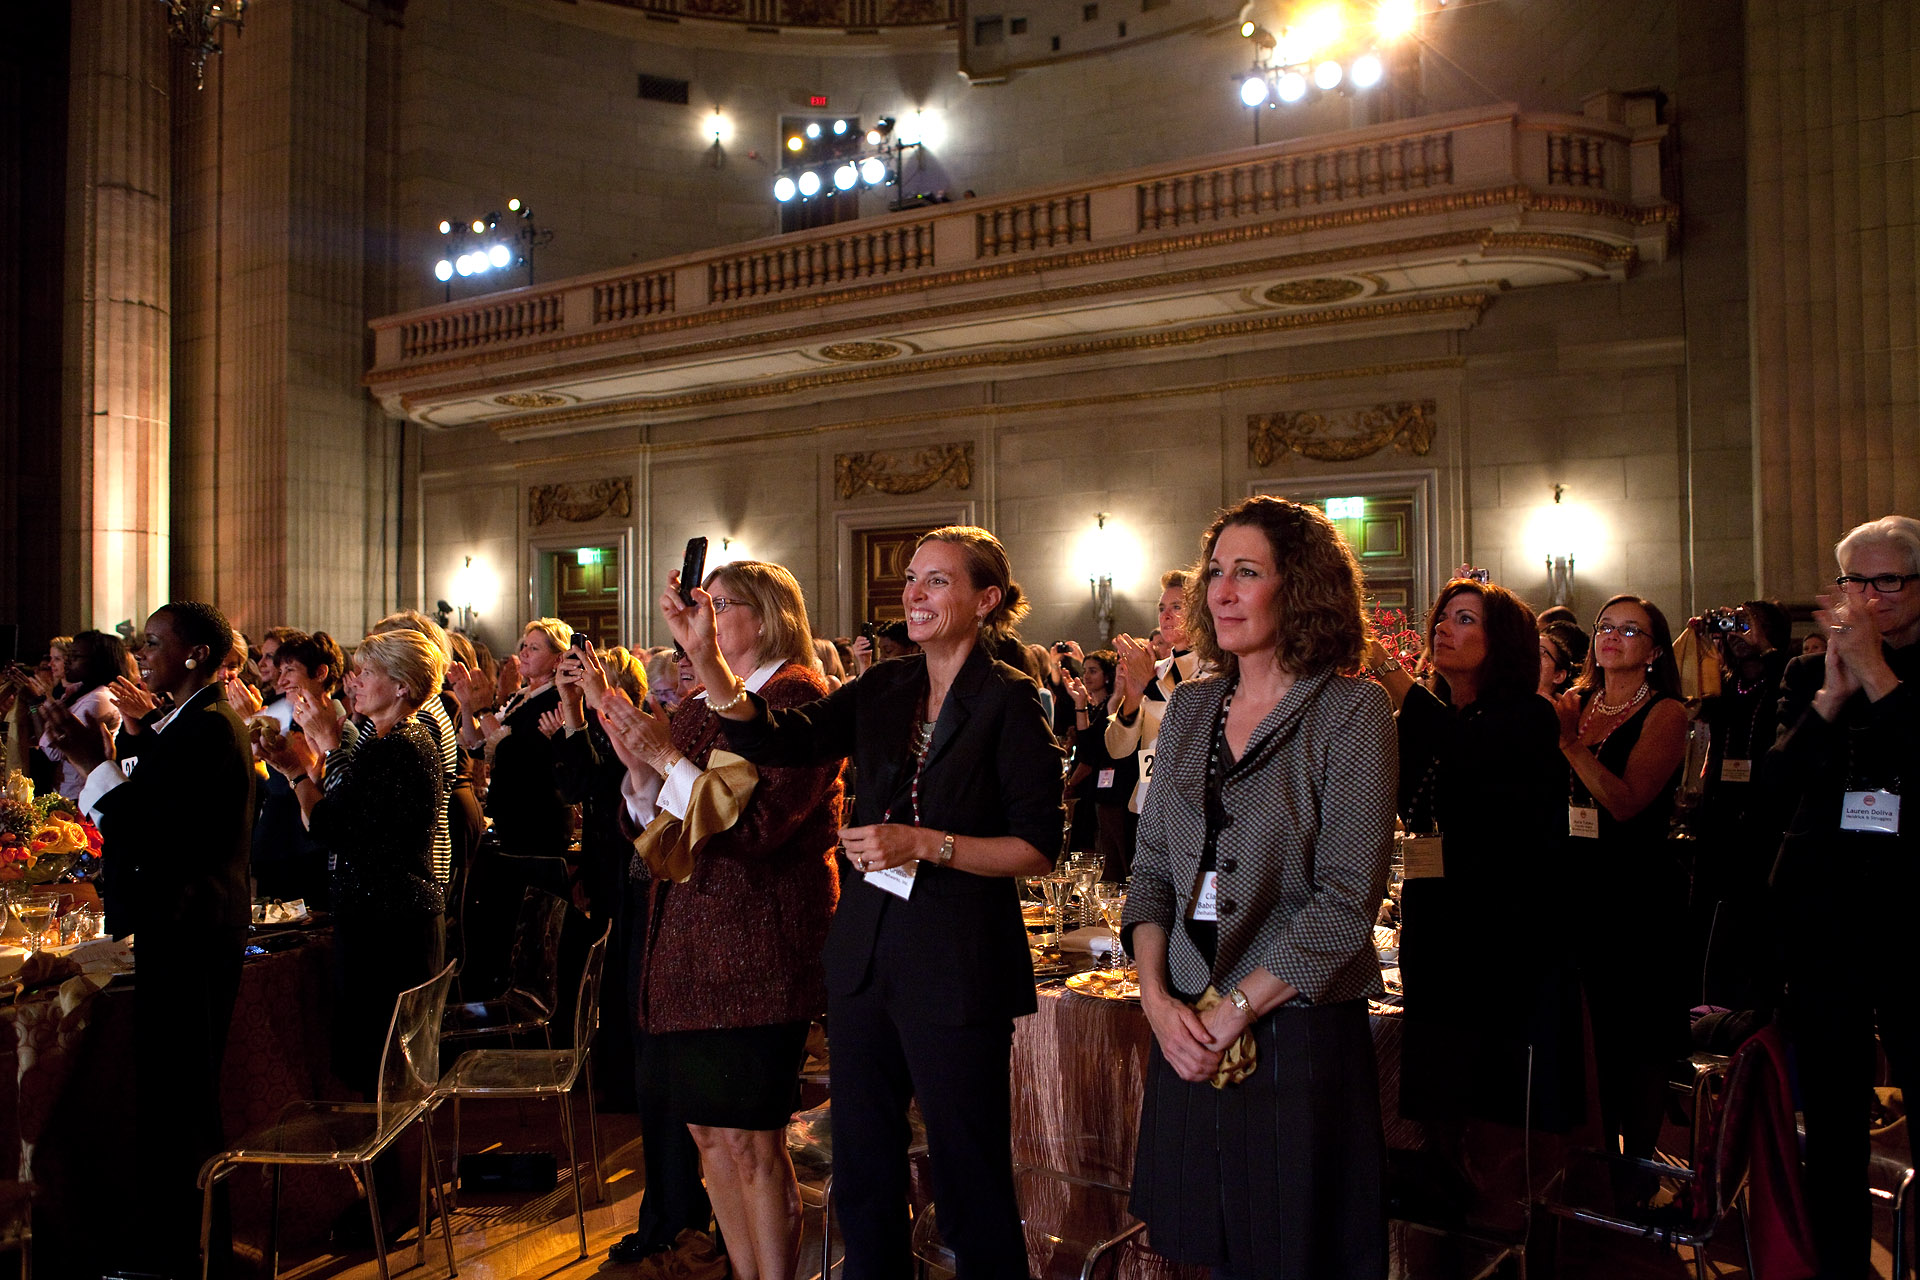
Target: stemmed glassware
point(1111, 898)
point(37, 910)
point(1058, 887)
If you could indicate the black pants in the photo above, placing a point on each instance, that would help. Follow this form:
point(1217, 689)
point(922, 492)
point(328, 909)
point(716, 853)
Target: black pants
point(675, 1198)
point(182, 1008)
point(1847, 974)
point(883, 1061)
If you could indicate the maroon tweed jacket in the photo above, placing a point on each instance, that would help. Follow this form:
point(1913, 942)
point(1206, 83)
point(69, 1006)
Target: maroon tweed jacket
point(738, 945)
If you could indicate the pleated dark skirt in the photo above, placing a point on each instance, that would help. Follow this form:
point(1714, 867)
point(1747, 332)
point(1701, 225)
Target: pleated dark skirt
point(1280, 1176)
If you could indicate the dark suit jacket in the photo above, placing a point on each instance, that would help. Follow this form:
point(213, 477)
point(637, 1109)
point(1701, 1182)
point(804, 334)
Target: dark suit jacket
point(993, 770)
point(176, 834)
point(523, 791)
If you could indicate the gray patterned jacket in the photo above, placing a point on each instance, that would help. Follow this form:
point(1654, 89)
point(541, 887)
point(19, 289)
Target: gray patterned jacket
point(1302, 857)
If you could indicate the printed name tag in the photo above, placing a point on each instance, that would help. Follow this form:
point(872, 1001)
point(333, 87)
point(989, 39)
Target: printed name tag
point(1104, 779)
point(897, 881)
point(1205, 906)
point(1732, 770)
point(1870, 811)
point(1420, 858)
point(1583, 821)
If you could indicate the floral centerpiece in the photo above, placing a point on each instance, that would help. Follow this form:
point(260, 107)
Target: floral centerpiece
point(43, 838)
point(1395, 631)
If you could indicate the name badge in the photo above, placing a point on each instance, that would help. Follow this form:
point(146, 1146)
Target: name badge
point(1421, 859)
point(1205, 902)
point(1871, 811)
point(1732, 770)
point(1583, 821)
point(1104, 779)
point(897, 881)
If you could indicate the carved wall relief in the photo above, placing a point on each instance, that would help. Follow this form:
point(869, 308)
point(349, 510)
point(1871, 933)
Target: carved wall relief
point(575, 503)
point(1406, 425)
point(896, 473)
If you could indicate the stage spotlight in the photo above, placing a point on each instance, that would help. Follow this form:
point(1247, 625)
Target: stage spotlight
point(809, 185)
point(794, 143)
point(881, 129)
point(873, 171)
point(1253, 90)
point(464, 264)
point(443, 270)
point(514, 204)
point(445, 227)
point(783, 188)
point(1327, 74)
point(1263, 40)
point(500, 256)
point(1292, 87)
point(1396, 19)
point(1366, 71)
point(1248, 27)
point(1322, 27)
point(845, 176)
point(813, 131)
point(839, 128)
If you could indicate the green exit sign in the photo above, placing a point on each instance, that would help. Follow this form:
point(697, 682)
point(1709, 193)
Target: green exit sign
point(1346, 508)
point(589, 555)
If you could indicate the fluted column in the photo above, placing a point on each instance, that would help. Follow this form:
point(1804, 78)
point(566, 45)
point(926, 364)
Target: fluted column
point(118, 328)
point(1835, 320)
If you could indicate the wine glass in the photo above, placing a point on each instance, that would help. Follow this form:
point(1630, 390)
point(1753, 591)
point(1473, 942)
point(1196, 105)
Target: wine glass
point(1058, 886)
point(36, 911)
point(1111, 898)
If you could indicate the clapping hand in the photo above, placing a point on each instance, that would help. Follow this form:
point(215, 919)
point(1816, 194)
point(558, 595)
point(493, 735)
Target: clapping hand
point(1077, 690)
point(510, 681)
point(552, 721)
point(136, 703)
point(292, 754)
point(317, 719)
point(460, 684)
point(86, 746)
point(1567, 708)
point(641, 734)
point(1135, 668)
point(1853, 650)
point(242, 697)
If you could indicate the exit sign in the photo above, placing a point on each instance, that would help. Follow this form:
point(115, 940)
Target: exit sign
point(817, 100)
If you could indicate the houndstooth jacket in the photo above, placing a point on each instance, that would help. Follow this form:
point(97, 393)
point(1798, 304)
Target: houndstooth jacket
point(1303, 851)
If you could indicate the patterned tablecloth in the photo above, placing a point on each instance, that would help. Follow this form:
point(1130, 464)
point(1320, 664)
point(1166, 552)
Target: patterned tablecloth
point(1079, 1071)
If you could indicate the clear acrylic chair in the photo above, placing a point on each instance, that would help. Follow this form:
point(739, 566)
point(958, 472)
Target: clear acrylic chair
point(352, 1134)
point(533, 978)
point(543, 1073)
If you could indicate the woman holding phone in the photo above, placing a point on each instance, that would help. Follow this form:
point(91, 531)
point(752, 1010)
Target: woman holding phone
point(927, 962)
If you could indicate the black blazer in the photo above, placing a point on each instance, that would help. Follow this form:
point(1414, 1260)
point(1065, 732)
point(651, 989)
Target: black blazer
point(523, 792)
point(993, 770)
point(176, 835)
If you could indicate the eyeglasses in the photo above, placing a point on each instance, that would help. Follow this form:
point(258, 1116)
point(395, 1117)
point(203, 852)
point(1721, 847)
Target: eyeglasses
point(1625, 630)
point(721, 604)
point(1883, 584)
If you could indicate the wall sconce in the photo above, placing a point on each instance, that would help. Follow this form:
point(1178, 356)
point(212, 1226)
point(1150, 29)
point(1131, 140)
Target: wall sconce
point(465, 590)
point(730, 551)
point(1560, 553)
point(1100, 580)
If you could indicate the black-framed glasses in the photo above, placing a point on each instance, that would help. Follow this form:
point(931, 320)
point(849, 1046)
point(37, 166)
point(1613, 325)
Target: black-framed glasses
point(721, 604)
point(1883, 584)
point(1625, 630)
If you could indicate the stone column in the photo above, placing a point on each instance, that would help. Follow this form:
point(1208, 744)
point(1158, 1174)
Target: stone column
point(118, 329)
point(1835, 318)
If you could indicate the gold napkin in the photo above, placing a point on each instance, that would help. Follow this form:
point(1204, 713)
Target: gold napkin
point(1237, 1063)
point(671, 845)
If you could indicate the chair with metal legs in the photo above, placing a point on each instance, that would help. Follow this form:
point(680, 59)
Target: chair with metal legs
point(352, 1134)
point(544, 1073)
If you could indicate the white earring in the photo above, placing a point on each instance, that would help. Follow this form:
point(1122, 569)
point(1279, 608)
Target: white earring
point(192, 663)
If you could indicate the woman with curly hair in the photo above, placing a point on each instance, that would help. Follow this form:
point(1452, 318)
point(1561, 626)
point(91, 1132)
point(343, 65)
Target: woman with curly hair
point(1261, 858)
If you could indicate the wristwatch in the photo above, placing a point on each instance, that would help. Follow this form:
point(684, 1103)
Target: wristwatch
point(1241, 1002)
point(945, 856)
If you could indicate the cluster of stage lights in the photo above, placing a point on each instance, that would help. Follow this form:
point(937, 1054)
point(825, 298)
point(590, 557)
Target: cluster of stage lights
point(842, 169)
point(496, 256)
point(1324, 48)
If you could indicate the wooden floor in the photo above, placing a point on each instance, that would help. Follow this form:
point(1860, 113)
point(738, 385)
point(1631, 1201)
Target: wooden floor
point(534, 1238)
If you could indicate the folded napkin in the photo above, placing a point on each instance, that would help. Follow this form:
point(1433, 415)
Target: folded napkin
point(1095, 939)
point(1237, 1063)
point(274, 911)
point(670, 846)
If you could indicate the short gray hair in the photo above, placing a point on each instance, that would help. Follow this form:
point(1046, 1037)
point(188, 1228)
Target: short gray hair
point(1892, 531)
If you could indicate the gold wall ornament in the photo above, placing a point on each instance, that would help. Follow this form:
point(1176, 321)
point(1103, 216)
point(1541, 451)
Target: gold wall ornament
point(854, 473)
point(1407, 425)
point(530, 400)
point(576, 503)
point(860, 351)
point(1316, 291)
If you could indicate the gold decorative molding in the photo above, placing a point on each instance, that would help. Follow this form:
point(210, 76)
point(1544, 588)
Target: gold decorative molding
point(1408, 426)
point(1472, 304)
point(856, 351)
point(855, 473)
point(1048, 264)
point(576, 503)
point(1314, 291)
point(531, 400)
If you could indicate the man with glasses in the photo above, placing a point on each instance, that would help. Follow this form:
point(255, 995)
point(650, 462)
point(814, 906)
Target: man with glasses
point(1848, 749)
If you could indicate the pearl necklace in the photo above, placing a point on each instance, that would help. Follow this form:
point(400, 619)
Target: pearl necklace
point(1605, 708)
